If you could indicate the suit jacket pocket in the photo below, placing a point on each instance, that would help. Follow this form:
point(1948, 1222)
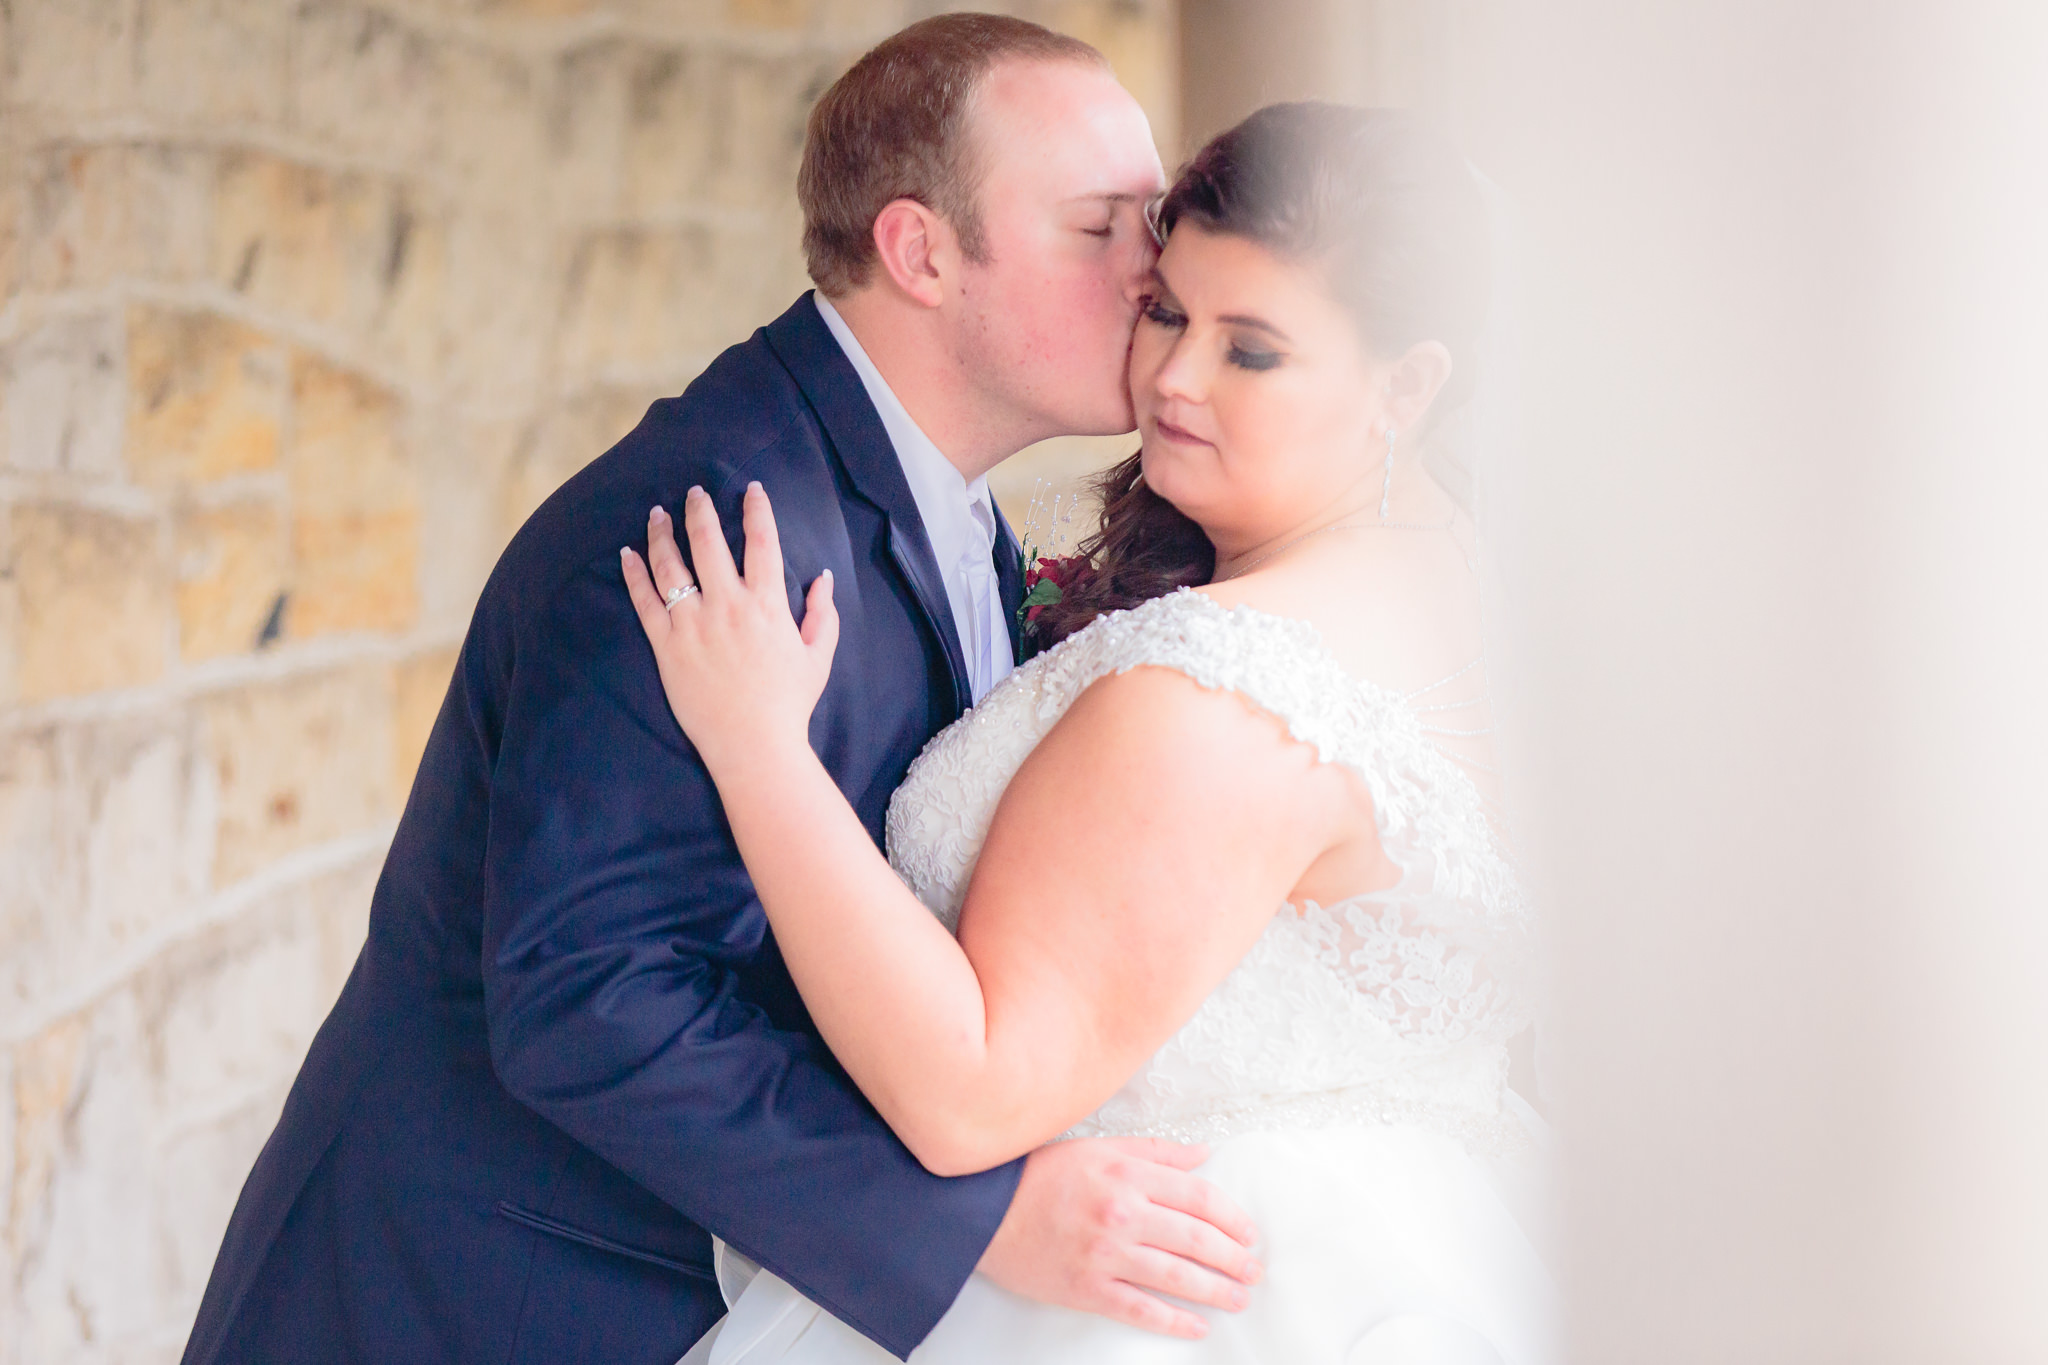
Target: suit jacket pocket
point(554, 1227)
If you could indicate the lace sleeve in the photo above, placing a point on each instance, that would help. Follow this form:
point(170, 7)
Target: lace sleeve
point(1277, 663)
point(1440, 954)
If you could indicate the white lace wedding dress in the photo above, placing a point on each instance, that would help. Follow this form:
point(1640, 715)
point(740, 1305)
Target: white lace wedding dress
point(1350, 1073)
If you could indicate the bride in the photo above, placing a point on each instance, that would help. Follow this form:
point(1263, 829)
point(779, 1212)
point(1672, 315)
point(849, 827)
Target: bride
point(1221, 860)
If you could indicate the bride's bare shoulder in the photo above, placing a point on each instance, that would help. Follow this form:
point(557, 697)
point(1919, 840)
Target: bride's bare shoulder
point(1390, 605)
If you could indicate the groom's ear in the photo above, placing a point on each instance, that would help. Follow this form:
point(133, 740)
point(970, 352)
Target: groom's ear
point(917, 249)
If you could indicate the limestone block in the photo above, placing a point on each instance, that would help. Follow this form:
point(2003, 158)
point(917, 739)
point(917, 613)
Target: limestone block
point(786, 16)
point(763, 103)
point(464, 462)
point(13, 199)
point(90, 1276)
point(42, 869)
point(591, 88)
point(605, 95)
point(422, 683)
point(364, 78)
point(341, 921)
point(10, 626)
point(94, 594)
point(332, 247)
point(222, 61)
point(10, 1120)
point(704, 126)
point(503, 290)
point(229, 1013)
point(493, 120)
point(668, 16)
point(228, 1017)
point(74, 56)
point(200, 1170)
point(46, 1082)
point(671, 123)
point(568, 437)
point(299, 762)
point(108, 829)
point(205, 397)
point(650, 303)
point(98, 212)
point(863, 23)
point(63, 387)
point(233, 568)
point(355, 505)
point(538, 9)
point(150, 802)
point(404, 308)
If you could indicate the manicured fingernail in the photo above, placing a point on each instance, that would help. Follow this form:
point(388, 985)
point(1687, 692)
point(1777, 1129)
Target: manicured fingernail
point(1253, 1272)
point(1238, 1299)
point(655, 516)
point(696, 491)
point(827, 575)
point(754, 487)
point(625, 553)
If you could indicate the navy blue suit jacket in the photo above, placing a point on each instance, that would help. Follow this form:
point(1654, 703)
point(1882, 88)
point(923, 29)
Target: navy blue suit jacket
point(569, 1051)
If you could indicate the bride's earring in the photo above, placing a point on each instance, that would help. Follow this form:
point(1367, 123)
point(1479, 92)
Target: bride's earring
point(1387, 479)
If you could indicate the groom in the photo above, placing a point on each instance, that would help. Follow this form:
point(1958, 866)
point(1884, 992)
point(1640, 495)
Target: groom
point(569, 1052)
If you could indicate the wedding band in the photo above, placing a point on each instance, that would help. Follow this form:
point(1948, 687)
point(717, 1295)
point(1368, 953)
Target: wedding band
point(676, 595)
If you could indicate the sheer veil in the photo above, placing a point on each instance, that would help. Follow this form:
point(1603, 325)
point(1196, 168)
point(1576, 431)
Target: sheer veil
point(1480, 457)
point(1477, 455)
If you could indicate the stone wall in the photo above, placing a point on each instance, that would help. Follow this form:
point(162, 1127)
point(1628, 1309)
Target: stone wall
point(303, 307)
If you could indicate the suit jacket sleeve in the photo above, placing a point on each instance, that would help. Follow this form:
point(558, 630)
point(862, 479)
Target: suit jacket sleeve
point(616, 946)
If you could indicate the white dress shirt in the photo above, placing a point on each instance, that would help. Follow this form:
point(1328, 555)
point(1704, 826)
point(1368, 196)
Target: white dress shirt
point(959, 518)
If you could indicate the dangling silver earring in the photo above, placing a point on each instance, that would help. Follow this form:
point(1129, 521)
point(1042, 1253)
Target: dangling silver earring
point(1387, 479)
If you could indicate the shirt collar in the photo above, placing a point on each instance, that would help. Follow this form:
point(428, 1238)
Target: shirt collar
point(942, 494)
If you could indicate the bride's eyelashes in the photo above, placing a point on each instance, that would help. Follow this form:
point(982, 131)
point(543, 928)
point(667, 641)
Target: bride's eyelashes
point(1247, 359)
point(1244, 357)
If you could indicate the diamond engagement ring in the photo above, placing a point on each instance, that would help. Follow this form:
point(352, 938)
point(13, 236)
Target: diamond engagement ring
point(676, 595)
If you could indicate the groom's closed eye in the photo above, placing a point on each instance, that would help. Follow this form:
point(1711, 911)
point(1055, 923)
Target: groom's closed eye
point(1160, 315)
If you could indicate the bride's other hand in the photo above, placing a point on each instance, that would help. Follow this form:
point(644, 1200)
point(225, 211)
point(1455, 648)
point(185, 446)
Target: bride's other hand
point(741, 676)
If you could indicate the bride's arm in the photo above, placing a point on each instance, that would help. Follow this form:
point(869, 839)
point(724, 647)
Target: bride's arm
point(1134, 859)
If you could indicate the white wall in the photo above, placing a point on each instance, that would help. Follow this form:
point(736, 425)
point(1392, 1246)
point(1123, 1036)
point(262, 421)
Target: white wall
point(1782, 573)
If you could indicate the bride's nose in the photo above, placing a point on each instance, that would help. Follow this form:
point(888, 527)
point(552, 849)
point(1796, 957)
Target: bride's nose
point(1182, 374)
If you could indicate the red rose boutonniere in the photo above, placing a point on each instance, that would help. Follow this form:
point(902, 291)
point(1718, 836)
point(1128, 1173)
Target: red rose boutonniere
point(1047, 580)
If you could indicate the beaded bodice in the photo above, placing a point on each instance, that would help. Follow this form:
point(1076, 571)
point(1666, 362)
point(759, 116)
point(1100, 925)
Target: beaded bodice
point(1394, 1005)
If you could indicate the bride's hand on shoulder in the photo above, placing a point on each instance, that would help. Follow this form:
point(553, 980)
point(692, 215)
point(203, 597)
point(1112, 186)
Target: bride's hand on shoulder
point(741, 676)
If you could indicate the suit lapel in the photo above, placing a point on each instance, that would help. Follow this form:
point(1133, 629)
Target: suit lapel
point(813, 358)
point(1010, 579)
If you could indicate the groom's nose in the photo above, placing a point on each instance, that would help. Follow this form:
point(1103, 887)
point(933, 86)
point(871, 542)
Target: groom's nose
point(1138, 268)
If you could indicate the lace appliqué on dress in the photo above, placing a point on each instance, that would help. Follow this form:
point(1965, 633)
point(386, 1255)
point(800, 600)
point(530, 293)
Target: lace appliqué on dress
point(1391, 1007)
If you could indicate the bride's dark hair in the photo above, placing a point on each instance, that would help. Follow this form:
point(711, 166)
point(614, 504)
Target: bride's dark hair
point(1392, 217)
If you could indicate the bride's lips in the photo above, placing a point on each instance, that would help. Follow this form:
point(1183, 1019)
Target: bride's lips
point(1177, 434)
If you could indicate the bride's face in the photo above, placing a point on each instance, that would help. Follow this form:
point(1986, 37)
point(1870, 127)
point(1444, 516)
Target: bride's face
point(1257, 400)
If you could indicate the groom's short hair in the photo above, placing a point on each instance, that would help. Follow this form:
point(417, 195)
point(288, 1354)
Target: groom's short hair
point(895, 126)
